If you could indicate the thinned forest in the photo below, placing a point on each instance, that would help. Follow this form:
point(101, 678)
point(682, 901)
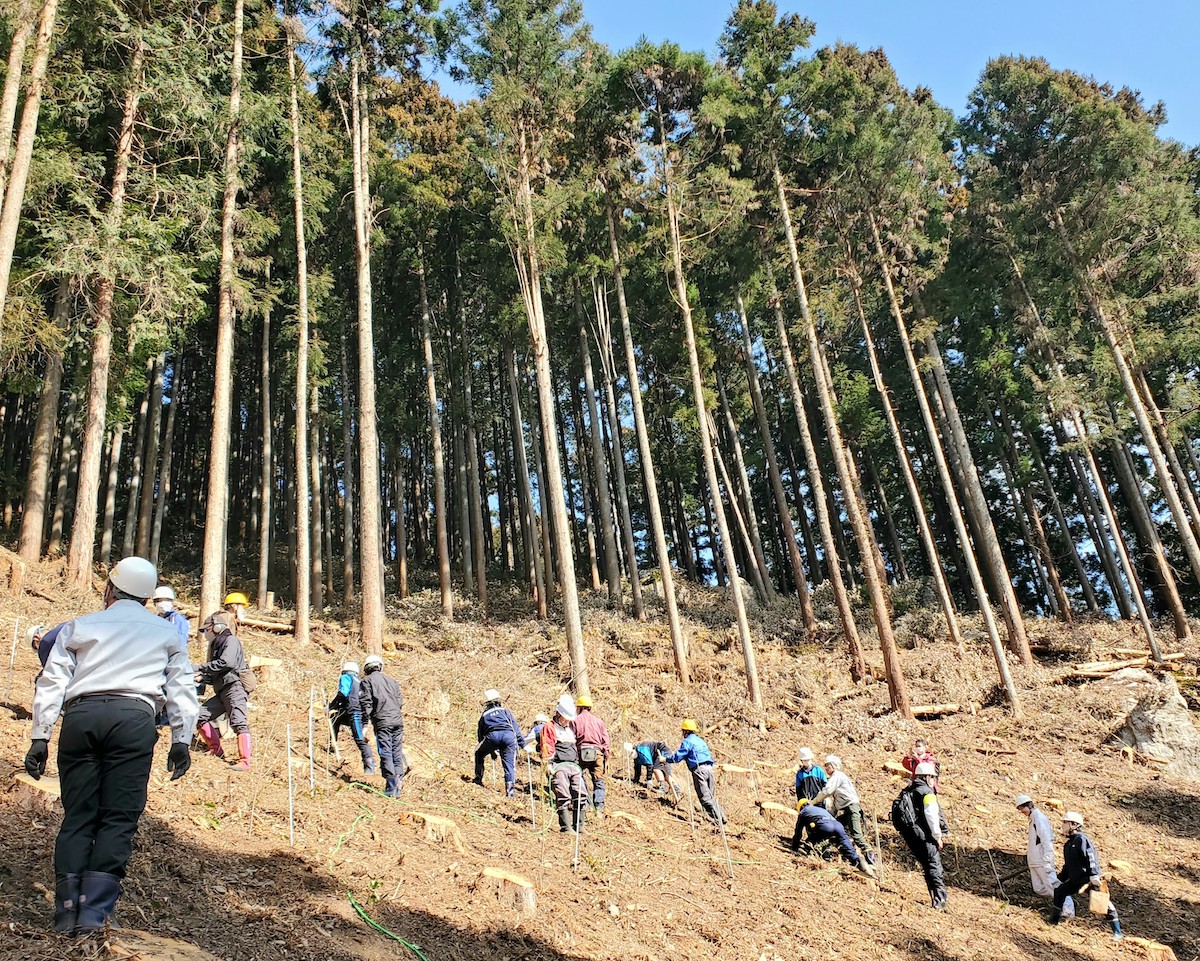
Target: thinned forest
point(277, 310)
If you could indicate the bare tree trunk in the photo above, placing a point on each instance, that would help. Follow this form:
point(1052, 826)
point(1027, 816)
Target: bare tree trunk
point(606, 519)
point(401, 534)
point(529, 532)
point(83, 529)
point(307, 563)
point(548, 531)
point(781, 504)
point(439, 466)
point(588, 488)
point(62, 490)
point(14, 197)
point(266, 476)
point(145, 507)
point(168, 448)
point(939, 456)
point(370, 534)
point(649, 476)
point(22, 21)
point(137, 462)
point(1182, 481)
point(1089, 594)
point(477, 502)
point(110, 496)
point(348, 498)
point(37, 484)
point(744, 529)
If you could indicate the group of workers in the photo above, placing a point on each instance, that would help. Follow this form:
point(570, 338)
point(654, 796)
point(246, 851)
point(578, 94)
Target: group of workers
point(116, 675)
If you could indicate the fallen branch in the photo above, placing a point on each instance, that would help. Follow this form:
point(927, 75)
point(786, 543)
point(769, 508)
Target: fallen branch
point(935, 710)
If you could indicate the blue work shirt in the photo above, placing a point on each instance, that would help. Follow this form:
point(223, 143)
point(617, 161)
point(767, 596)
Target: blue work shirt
point(810, 782)
point(692, 751)
point(499, 721)
point(180, 622)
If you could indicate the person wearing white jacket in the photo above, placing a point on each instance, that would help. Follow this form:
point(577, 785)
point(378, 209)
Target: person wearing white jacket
point(1040, 854)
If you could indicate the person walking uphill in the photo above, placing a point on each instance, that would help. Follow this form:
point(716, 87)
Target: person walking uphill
point(498, 733)
point(843, 796)
point(346, 708)
point(694, 752)
point(1040, 853)
point(107, 676)
point(591, 736)
point(382, 704)
point(1081, 868)
point(225, 669)
point(918, 818)
point(560, 751)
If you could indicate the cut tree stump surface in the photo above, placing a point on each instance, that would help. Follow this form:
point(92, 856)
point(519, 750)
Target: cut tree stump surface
point(41, 795)
point(511, 890)
point(129, 945)
point(439, 830)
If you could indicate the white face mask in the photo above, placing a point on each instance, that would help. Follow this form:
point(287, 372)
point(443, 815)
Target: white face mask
point(163, 606)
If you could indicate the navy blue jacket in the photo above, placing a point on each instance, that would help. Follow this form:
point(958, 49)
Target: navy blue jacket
point(1080, 860)
point(46, 645)
point(501, 722)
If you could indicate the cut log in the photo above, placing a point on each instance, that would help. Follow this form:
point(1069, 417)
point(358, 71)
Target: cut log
point(1108, 667)
point(512, 891)
point(735, 769)
point(130, 945)
point(935, 710)
point(1054, 804)
point(895, 767)
point(439, 830)
point(1006, 752)
point(770, 808)
point(1121, 867)
point(41, 796)
point(1151, 950)
point(280, 627)
point(635, 821)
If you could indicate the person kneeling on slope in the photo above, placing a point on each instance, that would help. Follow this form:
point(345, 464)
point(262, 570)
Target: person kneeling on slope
point(820, 828)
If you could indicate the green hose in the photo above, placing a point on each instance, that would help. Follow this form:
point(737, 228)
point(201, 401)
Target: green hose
point(382, 930)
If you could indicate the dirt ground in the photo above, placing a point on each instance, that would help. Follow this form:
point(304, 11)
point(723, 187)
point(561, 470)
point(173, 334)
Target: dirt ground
point(213, 866)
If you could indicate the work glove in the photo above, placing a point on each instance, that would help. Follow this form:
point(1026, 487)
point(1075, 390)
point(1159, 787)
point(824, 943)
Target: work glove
point(35, 759)
point(1094, 882)
point(179, 759)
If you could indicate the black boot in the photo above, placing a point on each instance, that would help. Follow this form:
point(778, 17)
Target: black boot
point(98, 893)
point(66, 903)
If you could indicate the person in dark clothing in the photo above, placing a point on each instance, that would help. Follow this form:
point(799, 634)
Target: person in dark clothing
point(648, 756)
point(224, 670)
point(106, 676)
point(382, 704)
point(918, 817)
point(810, 781)
point(346, 708)
point(819, 829)
point(498, 733)
point(1081, 869)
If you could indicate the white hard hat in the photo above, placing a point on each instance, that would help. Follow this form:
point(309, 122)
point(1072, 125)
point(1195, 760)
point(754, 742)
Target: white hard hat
point(1073, 817)
point(566, 707)
point(134, 576)
point(832, 760)
point(351, 667)
point(374, 661)
point(925, 769)
point(35, 633)
point(541, 719)
point(491, 694)
point(1022, 800)
point(164, 593)
point(805, 754)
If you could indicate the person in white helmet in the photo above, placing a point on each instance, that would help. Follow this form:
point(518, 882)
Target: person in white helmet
point(107, 676)
point(499, 733)
point(383, 705)
point(841, 796)
point(164, 603)
point(1080, 871)
point(1040, 853)
point(918, 818)
point(346, 708)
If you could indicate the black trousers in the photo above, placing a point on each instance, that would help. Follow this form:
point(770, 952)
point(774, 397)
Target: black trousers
point(931, 864)
point(105, 749)
point(231, 700)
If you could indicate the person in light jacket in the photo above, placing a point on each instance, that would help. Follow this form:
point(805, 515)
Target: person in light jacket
point(1040, 853)
point(840, 795)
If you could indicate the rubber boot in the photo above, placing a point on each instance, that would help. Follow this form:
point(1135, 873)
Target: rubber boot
point(211, 735)
point(66, 903)
point(368, 759)
point(1054, 916)
point(244, 749)
point(1118, 934)
point(98, 893)
point(510, 789)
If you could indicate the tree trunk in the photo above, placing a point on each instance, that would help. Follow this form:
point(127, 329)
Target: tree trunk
point(110, 496)
point(137, 463)
point(649, 476)
point(37, 484)
point(588, 488)
point(1085, 583)
point(62, 489)
point(348, 498)
point(1182, 481)
point(266, 475)
point(14, 199)
point(22, 21)
point(477, 501)
point(150, 463)
point(529, 526)
point(606, 518)
point(777, 491)
point(370, 533)
point(439, 466)
point(939, 456)
point(401, 535)
point(83, 529)
point(168, 448)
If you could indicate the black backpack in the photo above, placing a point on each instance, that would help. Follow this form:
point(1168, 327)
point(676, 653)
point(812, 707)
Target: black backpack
point(904, 816)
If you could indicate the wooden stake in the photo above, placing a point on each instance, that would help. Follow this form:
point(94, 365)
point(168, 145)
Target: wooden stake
point(312, 764)
point(291, 793)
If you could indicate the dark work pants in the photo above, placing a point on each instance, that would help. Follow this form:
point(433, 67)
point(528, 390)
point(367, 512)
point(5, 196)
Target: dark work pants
point(931, 863)
point(852, 820)
point(105, 749)
point(503, 743)
point(353, 720)
point(230, 700)
point(1070, 887)
point(839, 839)
point(392, 761)
point(705, 785)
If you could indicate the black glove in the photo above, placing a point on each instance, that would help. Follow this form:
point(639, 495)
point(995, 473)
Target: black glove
point(35, 759)
point(179, 759)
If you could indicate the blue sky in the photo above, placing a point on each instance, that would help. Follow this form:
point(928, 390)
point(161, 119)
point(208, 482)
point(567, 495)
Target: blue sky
point(945, 45)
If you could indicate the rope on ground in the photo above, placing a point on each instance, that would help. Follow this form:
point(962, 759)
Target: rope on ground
point(381, 929)
point(366, 813)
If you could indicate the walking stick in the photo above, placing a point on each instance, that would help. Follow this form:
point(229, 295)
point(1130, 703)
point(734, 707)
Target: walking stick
point(724, 839)
point(312, 764)
point(291, 793)
point(878, 846)
point(577, 826)
point(691, 812)
point(492, 758)
point(12, 662)
point(532, 802)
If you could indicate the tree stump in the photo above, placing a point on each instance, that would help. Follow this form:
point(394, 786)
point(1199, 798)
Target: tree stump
point(772, 809)
point(635, 821)
point(42, 796)
point(439, 830)
point(1152, 950)
point(142, 946)
point(16, 577)
point(511, 890)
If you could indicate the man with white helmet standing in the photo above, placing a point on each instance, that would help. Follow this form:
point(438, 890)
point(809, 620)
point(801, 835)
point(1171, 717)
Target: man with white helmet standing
point(498, 733)
point(164, 603)
point(346, 708)
point(918, 818)
point(842, 797)
point(1080, 870)
point(383, 705)
point(107, 676)
point(1040, 853)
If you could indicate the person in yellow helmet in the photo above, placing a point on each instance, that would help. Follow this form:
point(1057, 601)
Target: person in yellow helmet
point(235, 604)
point(694, 752)
point(594, 747)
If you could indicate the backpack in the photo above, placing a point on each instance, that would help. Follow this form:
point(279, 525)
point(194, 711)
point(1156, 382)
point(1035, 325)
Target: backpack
point(904, 816)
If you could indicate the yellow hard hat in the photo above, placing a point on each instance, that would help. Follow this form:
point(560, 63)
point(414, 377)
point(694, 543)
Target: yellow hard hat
point(583, 701)
point(237, 597)
point(690, 725)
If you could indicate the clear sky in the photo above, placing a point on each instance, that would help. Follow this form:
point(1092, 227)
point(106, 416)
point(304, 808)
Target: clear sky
point(1147, 46)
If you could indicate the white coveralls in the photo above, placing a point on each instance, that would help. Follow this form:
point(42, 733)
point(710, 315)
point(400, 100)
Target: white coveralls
point(1040, 855)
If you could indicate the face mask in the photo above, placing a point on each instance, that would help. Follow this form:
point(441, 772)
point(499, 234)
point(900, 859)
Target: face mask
point(164, 606)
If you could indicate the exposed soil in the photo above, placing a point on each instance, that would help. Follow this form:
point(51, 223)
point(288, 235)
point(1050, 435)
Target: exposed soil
point(213, 866)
